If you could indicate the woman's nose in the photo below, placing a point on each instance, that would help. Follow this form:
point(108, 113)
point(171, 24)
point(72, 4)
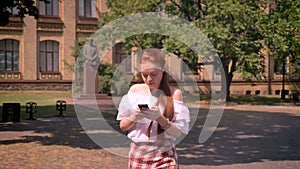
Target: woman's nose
point(149, 78)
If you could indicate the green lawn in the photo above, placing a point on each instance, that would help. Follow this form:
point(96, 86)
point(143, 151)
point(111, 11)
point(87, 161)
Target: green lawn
point(262, 100)
point(46, 102)
point(250, 100)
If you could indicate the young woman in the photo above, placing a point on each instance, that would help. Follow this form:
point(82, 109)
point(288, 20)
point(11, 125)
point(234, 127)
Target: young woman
point(154, 127)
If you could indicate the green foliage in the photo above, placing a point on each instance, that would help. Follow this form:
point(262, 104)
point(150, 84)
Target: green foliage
point(121, 81)
point(23, 8)
point(280, 27)
point(147, 40)
point(189, 9)
point(259, 100)
point(183, 51)
point(238, 30)
point(230, 26)
point(295, 72)
point(122, 8)
point(78, 67)
point(106, 72)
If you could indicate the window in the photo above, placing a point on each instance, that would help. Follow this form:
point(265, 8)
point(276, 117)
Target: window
point(49, 55)
point(278, 66)
point(87, 8)
point(49, 9)
point(9, 55)
point(217, 66)
point(119, 54)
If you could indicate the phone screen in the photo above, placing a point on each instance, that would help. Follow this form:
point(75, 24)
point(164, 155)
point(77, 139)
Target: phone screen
point(143, 106)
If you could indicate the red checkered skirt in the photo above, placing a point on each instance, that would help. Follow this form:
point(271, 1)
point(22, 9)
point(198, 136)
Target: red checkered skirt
point(152, 155)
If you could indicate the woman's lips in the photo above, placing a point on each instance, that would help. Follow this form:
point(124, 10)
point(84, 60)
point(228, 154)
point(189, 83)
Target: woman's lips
point(151, 85)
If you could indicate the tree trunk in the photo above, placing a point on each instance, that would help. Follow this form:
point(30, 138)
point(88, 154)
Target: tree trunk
point(228, 75)
point(226, 85)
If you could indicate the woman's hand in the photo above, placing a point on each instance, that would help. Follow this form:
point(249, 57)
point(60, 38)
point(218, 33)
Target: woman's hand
point(128, 123)
point(136, 115)
point(153, 113)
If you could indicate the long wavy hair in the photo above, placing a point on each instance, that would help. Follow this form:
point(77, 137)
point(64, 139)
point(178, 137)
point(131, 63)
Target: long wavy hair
point(155, 56)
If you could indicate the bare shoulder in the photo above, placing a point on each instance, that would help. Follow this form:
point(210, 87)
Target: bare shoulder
point(176, 93)
point(139, 88)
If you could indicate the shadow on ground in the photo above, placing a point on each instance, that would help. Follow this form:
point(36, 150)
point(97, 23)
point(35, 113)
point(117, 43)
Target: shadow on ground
point(242, 136)
point(52, 130)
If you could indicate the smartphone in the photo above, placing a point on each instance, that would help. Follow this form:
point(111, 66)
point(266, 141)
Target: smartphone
point(143, 106)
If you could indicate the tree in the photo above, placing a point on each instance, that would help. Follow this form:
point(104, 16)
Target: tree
point(280, 27)
point(19, 8)
point(124, 8)
point(231, 26)
point(78, 67)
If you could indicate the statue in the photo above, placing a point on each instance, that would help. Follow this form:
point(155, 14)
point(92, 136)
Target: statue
point(90, 68)
point(90, 52)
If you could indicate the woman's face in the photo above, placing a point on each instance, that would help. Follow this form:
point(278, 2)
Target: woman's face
point(152, 77)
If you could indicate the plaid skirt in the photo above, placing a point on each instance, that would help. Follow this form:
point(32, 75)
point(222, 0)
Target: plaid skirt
point(152, 155)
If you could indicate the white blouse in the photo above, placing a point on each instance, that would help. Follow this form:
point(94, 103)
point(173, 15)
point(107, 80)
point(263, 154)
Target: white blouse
point(129, 104)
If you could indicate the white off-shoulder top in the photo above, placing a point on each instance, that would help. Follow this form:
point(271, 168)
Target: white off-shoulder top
point(129, 104)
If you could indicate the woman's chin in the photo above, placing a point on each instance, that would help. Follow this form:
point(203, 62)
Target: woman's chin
point(152, 87)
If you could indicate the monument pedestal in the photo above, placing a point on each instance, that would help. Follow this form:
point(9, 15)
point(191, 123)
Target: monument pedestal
point(91, 79)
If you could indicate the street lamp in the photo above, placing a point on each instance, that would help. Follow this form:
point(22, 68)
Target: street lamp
point(283, 93)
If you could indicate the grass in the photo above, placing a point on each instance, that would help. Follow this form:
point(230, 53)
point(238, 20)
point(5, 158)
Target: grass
point(248, 100)
point(46, 102)
point(261, 100)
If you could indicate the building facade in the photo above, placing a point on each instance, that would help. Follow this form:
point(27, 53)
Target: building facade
point(35, 54)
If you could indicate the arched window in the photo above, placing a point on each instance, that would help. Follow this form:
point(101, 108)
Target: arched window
point(87, 8)
point(119, 54)
point(49, 9)
point(49, 56)
point(9, 55)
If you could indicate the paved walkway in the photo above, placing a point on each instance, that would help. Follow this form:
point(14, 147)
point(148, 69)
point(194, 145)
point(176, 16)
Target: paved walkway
point(260, 137)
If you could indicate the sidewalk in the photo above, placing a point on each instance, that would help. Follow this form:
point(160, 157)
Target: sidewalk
point(259, 137)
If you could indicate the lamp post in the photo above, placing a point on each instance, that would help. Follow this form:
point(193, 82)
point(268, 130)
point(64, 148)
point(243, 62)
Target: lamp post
point(283, 79)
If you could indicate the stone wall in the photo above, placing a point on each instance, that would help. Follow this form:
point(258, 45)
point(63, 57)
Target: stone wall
point(243, 88)
point(36, 86)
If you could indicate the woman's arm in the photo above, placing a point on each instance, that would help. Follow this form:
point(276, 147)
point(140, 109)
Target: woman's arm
point(128, 123)
point(169, 127)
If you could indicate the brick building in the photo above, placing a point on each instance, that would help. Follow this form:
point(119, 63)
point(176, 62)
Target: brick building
point(34, 53)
